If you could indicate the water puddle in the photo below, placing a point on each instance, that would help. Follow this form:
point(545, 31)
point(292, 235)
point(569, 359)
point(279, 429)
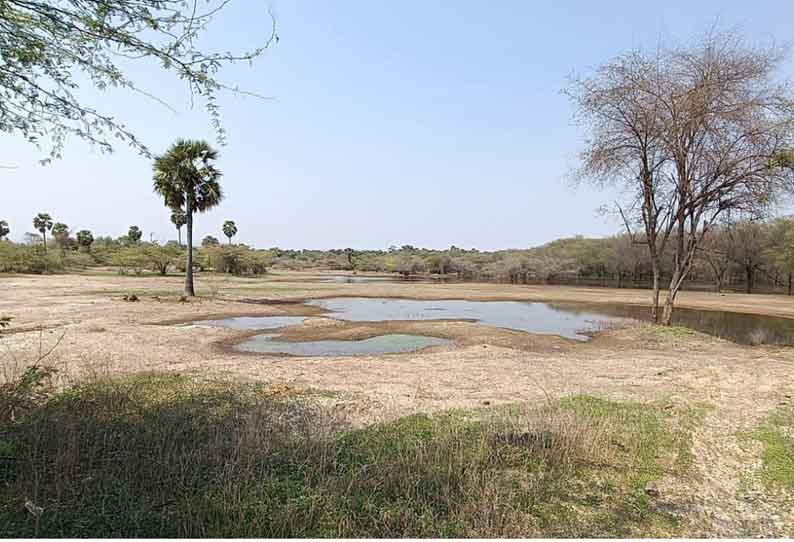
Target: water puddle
point(247, 323)
point(382, 344)
point(541, 318)
point(571, 320)
point(354, 279)
point(733, 326)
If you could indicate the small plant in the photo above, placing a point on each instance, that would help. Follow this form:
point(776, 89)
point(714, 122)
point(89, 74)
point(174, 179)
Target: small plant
point(22, 394)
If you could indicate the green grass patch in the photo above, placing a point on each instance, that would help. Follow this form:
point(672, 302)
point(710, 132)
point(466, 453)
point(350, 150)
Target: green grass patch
point(167, 456)
point(776, 434)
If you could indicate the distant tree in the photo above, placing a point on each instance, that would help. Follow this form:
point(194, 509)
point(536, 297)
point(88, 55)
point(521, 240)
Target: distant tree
point(85, 239)
point(186, 177)
point(43, 223)
point(690, 132)
point(229, 230)
point(210, 241)
point(780, 248)
point(4, 229)
point(715, 250)
point(178, 219)
point(350, 254)
point(60, 232)
point(410, 265)
point(59, 228)
point(162, 257)
point(134, 235)
point(747, 249)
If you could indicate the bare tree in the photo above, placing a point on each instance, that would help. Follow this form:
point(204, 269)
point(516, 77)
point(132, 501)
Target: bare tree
point(691, 132)
point(715, 250)
point(747, 240)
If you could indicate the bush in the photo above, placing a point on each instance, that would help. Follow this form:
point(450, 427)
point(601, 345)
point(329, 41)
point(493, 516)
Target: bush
point(20, 395)
point(162, 257)
point(15, 258)
point(132, 259)
point(237, 260)
point(78, 260)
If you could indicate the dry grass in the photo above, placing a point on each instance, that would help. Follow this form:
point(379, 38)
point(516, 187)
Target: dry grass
point(165, 456)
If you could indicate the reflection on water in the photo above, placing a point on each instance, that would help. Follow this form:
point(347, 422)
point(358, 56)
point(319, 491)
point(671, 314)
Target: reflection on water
point(354, 279)
point(733, 326)
point(539, 318)
point(382, 344)
point(255, 322)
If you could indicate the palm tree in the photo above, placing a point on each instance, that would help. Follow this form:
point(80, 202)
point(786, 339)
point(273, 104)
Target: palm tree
point(4, 229)
point(43, 222)
point(229, 230)
point(178, 219)
point(187, 179)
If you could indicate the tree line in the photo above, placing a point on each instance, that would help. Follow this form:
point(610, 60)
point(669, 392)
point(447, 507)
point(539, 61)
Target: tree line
point(128, 253)
point(744, 255)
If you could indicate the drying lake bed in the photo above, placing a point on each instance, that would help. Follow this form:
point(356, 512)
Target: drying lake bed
point(91, 331)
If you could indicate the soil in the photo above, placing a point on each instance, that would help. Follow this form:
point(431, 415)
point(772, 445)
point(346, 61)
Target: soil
point(98, 333)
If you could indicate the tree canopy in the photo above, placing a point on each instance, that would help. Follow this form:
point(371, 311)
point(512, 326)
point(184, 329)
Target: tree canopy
point(134, 234)
point(49, 47)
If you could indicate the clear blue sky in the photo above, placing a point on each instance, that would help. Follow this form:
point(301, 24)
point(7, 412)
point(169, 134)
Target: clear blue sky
point(424, 122)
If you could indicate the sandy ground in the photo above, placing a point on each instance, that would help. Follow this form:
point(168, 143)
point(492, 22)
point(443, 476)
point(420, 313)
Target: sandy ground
point(96, 332)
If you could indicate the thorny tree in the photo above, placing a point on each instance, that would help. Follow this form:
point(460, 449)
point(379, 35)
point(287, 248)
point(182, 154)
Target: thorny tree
point(690, 133)
point(49, 47)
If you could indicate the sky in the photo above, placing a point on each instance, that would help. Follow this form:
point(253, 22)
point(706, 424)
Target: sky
point(431, 123)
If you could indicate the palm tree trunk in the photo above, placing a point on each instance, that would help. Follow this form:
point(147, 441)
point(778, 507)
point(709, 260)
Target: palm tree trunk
point(179, 235)
point(44, 235)
point(189, 291)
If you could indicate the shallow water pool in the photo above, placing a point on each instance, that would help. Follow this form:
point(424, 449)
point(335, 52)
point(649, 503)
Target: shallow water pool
point(244, 323)
point(539, 318)
point(382, 344)
point(571, 320)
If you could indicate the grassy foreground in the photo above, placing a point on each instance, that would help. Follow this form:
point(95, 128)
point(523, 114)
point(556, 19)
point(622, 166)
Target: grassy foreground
point(167, 456)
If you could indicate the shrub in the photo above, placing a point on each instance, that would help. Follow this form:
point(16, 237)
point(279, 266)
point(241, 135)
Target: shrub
point(237, 260)
point(162, 257)
point(16, 258)
point(129, 259)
